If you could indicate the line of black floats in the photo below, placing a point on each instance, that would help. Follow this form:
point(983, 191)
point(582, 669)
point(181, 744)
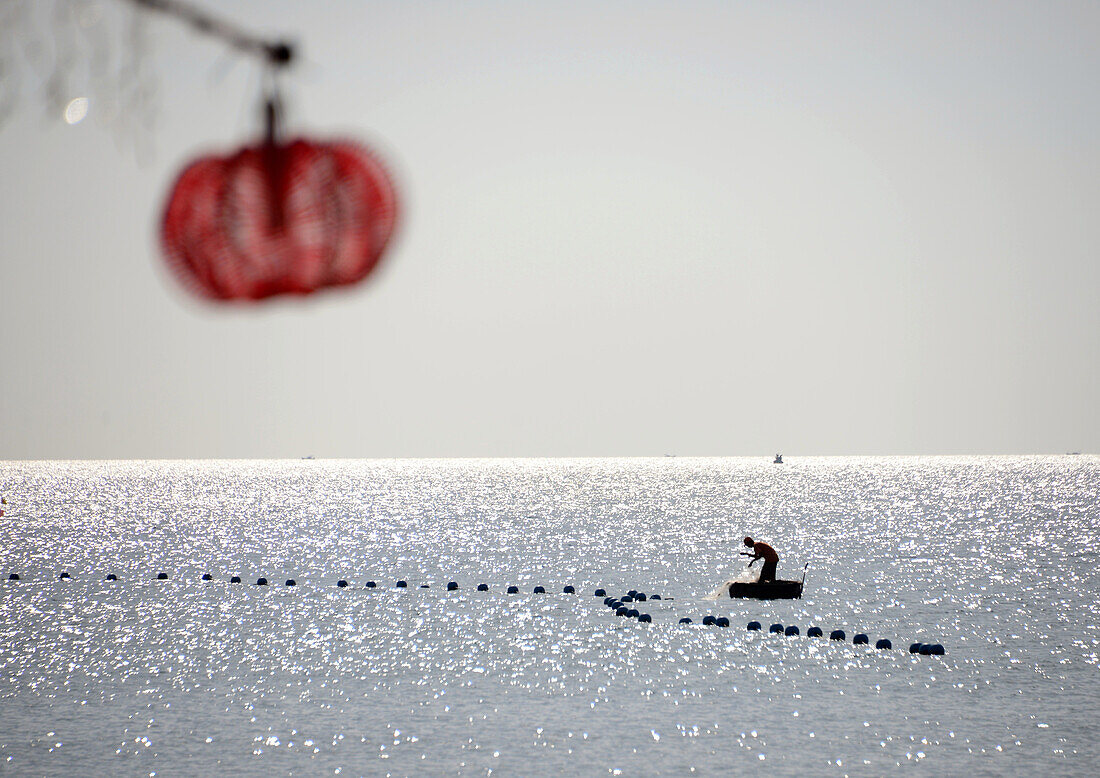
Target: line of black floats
point(342, 583)
point(622, 605)
point(859, 639)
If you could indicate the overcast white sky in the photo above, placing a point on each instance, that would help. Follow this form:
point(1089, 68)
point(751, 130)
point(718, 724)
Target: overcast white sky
point(630, 228)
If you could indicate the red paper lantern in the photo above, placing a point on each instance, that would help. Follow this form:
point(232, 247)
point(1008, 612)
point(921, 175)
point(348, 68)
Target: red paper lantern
point(278, 218)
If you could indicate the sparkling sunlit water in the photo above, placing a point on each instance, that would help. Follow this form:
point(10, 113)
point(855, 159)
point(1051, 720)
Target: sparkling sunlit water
point(995, 558)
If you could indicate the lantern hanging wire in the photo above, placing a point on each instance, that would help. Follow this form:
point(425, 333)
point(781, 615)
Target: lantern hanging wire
point(278, 53)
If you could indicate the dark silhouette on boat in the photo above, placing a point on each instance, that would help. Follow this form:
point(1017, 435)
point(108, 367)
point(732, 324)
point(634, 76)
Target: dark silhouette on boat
point(778, 459)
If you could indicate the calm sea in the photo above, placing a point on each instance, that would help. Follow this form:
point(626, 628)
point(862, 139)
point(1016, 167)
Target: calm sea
point(994, 558)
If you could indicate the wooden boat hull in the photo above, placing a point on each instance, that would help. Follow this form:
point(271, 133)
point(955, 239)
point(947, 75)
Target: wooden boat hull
point(771, 590)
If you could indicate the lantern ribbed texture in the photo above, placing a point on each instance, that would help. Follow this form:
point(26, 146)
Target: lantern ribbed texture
point(278, 219)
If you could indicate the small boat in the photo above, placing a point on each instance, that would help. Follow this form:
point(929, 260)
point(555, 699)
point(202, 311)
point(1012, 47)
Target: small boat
point(778, 459)
point(770, 590)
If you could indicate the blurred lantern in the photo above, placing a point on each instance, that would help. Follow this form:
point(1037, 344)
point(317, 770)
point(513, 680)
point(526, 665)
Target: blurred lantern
point(278, 217)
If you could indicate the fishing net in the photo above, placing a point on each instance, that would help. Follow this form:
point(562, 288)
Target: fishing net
point(748, 575)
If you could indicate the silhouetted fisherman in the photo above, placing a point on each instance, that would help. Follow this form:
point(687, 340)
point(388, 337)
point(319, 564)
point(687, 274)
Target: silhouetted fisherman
point(763, 551)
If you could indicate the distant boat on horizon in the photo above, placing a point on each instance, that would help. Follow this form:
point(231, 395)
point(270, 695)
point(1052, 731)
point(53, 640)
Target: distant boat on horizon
point(778, 459)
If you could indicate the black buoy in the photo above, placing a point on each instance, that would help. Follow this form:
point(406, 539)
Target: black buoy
point(754, 626)
point(814, 632)
point(341, 583)
point(261, 581)
point(599, 593)
point(112, 577)
point(162, 576)
point(235, 579)
point(708, 621)
point(207, 577)
point(925, 649)
point(402, 584)
point(13, 577)
point(860, 640)
point(645, 618)
point(632, 592)
point(633, 613)
point(654, 596)
point(371, 584)
point(64, 577)
point(721, 621)
point(791, 630)
point(640, 597)
point(837, 634)
point(938, 650)
point(628, 598)
point(483, 587)
point(539, 590)
point(452, 585)
point(425, 586)
point(776, 628)
point(685, 620)
point(883, 643)
point(914, 648)
point(568, 590)
point(622, 610)
point(513, 590)
point(291, 582)
point(608, 600)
